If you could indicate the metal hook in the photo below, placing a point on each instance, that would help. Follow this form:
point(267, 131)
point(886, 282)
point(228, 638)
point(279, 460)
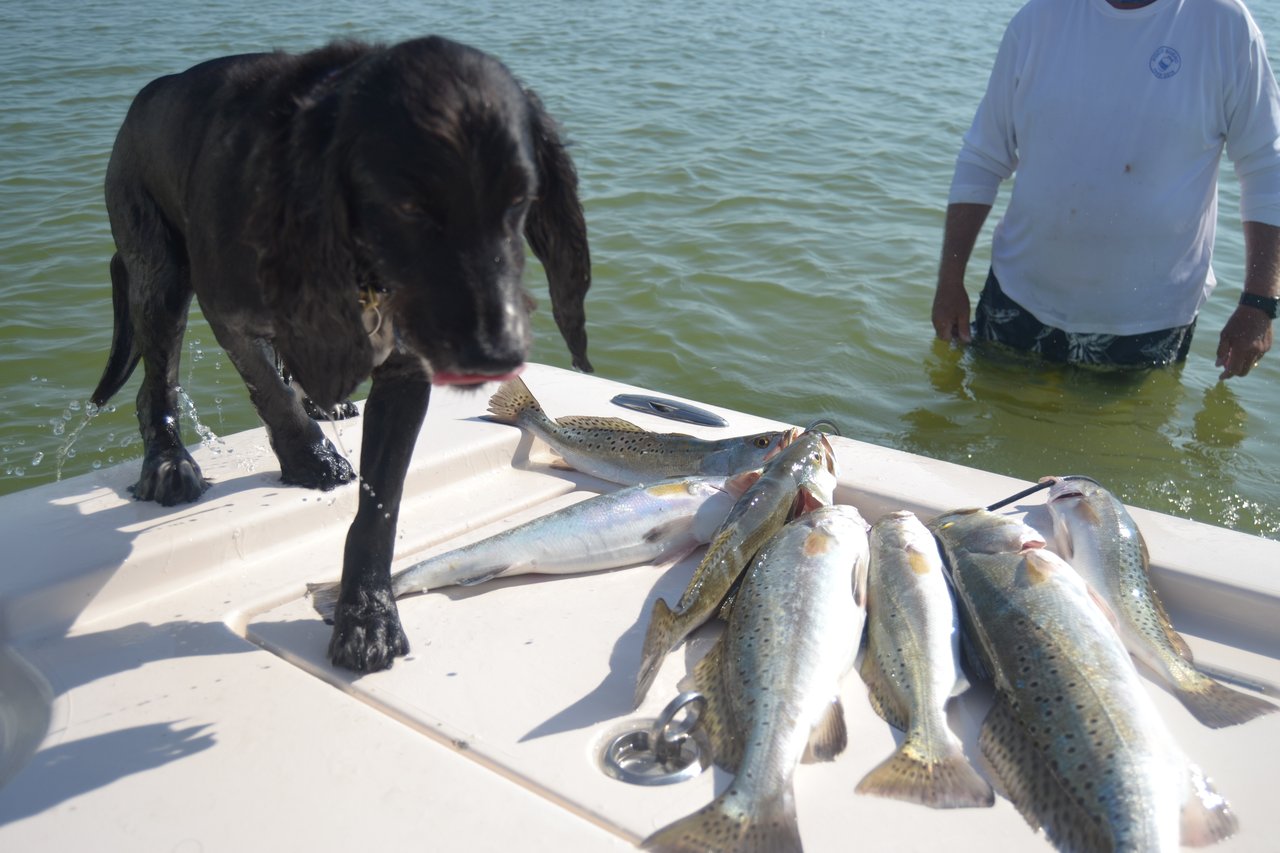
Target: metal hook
point(823, 422)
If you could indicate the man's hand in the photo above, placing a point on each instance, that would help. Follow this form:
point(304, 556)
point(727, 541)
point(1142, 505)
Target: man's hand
point(1244, 340)
point(951, 313)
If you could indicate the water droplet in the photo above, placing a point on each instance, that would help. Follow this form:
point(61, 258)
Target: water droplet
point(38, 458)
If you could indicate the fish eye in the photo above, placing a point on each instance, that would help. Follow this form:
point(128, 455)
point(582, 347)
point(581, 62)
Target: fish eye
point(761, 441)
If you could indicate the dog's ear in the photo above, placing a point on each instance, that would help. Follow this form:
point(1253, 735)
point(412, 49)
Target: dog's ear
point(310, 274)
point(557, 232)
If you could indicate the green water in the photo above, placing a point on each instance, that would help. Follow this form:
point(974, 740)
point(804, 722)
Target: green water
point(764, 186)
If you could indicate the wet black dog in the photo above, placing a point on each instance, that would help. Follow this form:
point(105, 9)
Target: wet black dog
point(354, 210)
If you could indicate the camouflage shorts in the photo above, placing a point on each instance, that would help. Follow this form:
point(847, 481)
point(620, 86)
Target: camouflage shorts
point(1001, 320)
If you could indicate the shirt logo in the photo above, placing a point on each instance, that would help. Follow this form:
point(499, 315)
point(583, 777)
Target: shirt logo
point(1165, 62)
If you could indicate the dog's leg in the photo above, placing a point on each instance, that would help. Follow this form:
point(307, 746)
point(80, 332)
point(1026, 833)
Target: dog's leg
point(159, 296)
point(342, 411)
point(306, 457)
point(366, 626)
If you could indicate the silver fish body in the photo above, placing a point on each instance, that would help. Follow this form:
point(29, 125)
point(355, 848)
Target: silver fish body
point(617, 450)
point(802, 474)
point(1099, 538)
point(911, 666)
point(658, 523)
point(1073, 736)
point(771, 682)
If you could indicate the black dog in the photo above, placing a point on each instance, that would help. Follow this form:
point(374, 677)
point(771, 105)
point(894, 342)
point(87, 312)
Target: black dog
point(357, 209)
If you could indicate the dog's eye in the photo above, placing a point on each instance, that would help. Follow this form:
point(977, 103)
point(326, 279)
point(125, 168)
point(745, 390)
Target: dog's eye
point(410, 210)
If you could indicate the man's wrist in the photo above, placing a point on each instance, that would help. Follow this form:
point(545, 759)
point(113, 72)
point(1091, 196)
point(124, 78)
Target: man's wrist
point(1266, 304)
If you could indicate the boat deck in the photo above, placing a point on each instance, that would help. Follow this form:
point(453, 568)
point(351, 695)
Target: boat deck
point(163, 681)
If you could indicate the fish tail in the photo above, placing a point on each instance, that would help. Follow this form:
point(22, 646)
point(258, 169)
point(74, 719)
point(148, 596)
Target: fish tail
point(324, 598)
point(657, 642)
point(940, 782)
point(511, 401)
point(1218, 706)
point(728, 823)
point(1206, 818)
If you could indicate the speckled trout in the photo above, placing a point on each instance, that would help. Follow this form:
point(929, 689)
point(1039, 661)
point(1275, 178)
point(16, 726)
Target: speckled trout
point(617, 450)
point(1099, 538)
point(1073, 735)
point(911, 666)
point(658, 523)
point(801, 477)
point(772, 679)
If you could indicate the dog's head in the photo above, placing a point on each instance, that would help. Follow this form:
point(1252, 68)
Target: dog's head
point(440, 163)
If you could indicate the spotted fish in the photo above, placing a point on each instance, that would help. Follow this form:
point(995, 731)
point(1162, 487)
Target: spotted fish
point(772, 679)
point(621, 452)
point(1073, 735)
point(801, 477)
point(912, 667)
point(1099, 538)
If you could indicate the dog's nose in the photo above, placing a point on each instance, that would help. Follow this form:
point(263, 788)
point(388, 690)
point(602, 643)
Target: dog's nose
point(502, 342)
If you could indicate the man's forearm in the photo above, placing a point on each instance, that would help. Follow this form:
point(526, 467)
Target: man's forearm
point(1261, 259)
point(963, 225)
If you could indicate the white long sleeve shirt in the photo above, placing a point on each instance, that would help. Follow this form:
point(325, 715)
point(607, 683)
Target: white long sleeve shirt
point(1115, 122)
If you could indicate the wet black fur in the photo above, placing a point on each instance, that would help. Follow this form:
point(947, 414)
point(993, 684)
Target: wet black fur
point(282, 190)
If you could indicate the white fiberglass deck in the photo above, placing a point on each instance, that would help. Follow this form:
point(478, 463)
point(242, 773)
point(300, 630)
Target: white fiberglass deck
point(163, 682)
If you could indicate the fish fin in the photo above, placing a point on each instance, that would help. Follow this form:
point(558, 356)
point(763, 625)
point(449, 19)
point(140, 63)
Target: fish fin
point(1035, 567)
point(807, 500)
point(728, 823)
point(510, 401)
point(1217, 706)
point(1104, 606)
point(1027, 780)
point(557, 463)
point(596, 422)
point(830, 736)
point(324, 598)
point(738, 484)
point(657, 643)
point(1207, 818)
point(673, 557)
point(663, 530)
point(1166, 624)
point(946, 781)
point(883, 699)
point(487, 574)
point(970, 653)
point(861, 577)
point(726, 606)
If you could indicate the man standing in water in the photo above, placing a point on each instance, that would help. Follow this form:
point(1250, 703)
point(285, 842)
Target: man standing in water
point(1114, 116)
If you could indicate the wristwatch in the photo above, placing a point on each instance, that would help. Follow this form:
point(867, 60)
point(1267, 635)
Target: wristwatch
point(1266, 304)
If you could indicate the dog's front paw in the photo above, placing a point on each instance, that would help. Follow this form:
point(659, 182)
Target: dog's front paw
point(320, 466)
point(170, 479)
point(367, 636)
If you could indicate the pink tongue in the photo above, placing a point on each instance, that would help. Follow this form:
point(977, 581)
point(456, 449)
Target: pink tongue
point(444, 377)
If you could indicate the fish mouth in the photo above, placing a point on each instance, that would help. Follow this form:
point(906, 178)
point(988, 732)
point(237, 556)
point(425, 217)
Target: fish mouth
point(784, 441)
point(829, 457)
point(1064, 488)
